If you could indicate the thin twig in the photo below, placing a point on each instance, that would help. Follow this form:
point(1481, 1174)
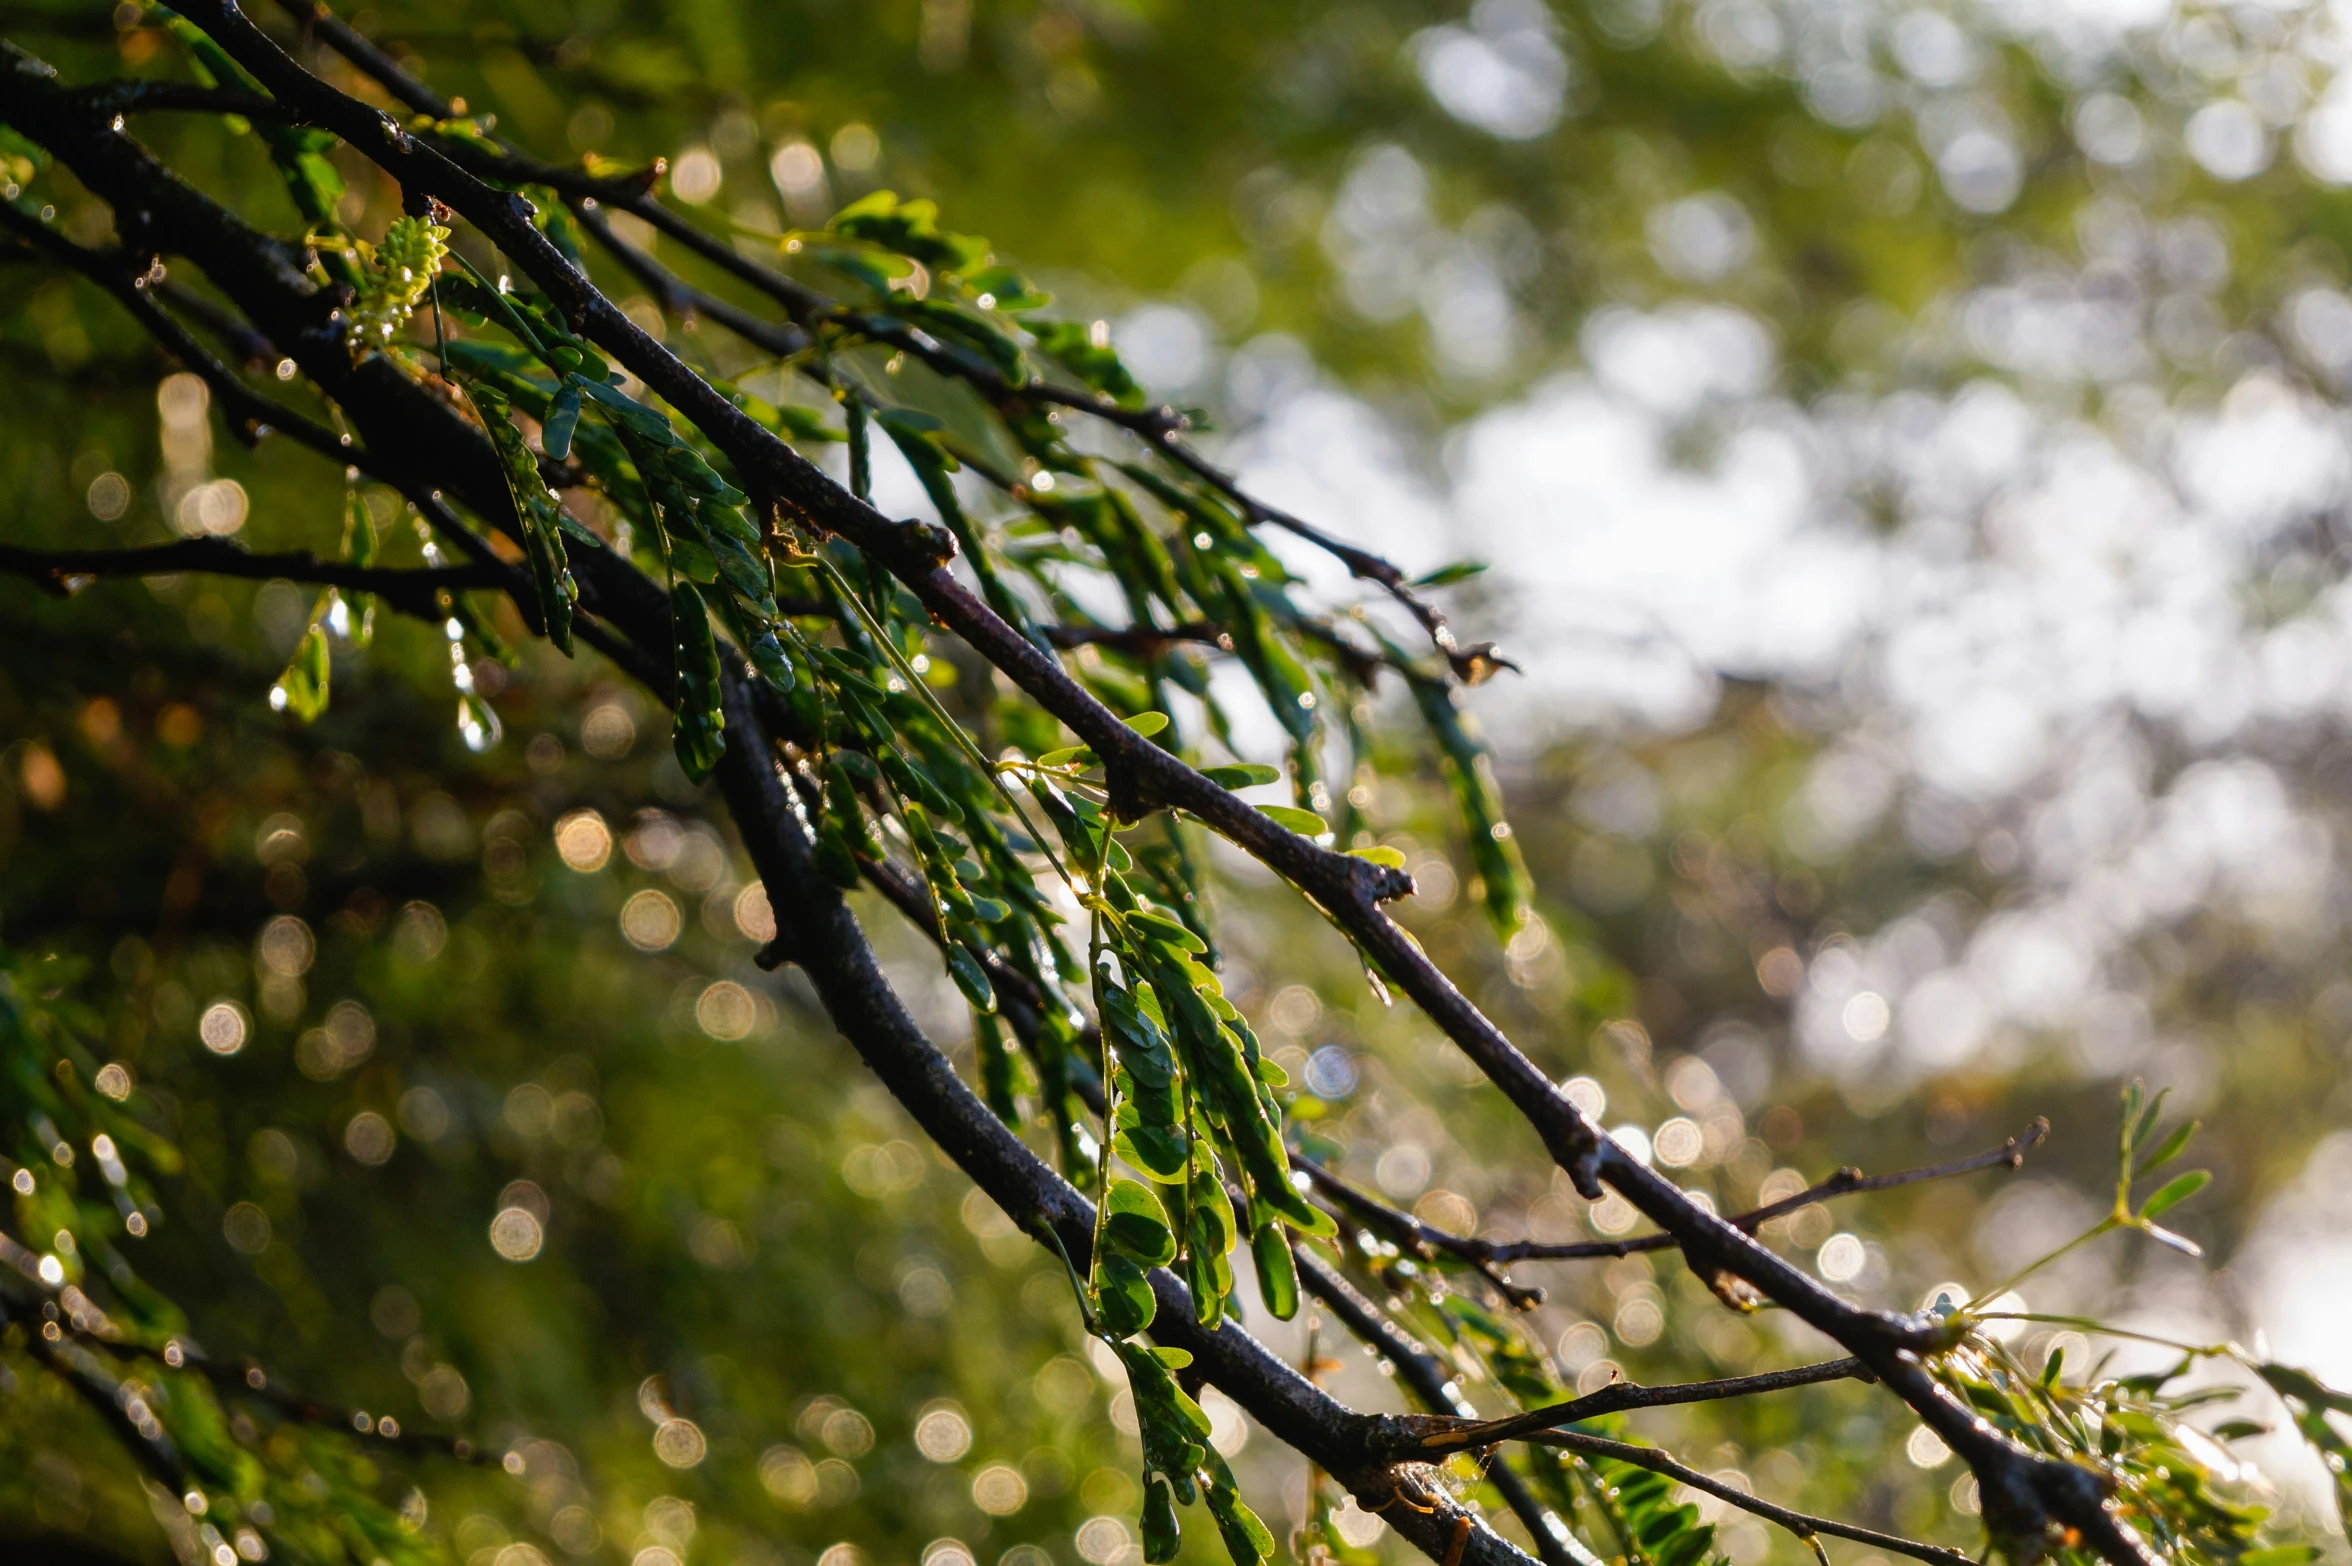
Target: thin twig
point(1141, 641)
point(1622, 1395)
point(1403, 1229)
point(1803, 1525)
point(1846, 1182)
point(1424, 1241)
point(241, 339)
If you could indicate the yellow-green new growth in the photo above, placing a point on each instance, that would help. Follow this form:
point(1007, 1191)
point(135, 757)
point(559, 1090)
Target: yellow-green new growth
point(400, 272)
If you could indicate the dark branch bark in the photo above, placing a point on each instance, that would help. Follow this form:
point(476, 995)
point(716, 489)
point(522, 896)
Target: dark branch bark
point(142, 97)
point(411, 592)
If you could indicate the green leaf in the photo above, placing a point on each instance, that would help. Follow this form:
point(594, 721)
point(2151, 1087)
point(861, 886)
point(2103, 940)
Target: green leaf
point(2281, 1555)
point(2145, 1126)
point(302, 690)
point(311, 179)
point(1448, 575)
point(1123, 1295)
point(909, 227)
point(699, 734)
point(2169, 1150)
point(1006, 290)
point(1167, 932)
point(1246, 1538)
point(2311, 1402)
point(2303, 1386)
point(1162, 1537)
point(1494, 851)
point(537, 511)
point(768, 656)
point(1316, 1222)
point(1142, 1043)
point(1134, 1220)
point(2175, 1191)
point(1147, 723)
point(875, 272)
point(627, 412)
point(475, 292)
point(1687, 1549)
point(1159, 1151)
point(1278, 1283)
point(1389, 858)
point(1072, 344)
point(1242, 774)
point(1304, 822)
point(563, 416)
point(793, 421)
point(1068, 755)
point(970, 977)
point(1665, 1524)
point(359, 549)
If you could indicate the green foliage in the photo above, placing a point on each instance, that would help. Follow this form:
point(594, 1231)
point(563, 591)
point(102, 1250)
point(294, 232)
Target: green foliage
point(537, 508)
point(2311, 1404)
point(2127, 1428)
point(701, 728)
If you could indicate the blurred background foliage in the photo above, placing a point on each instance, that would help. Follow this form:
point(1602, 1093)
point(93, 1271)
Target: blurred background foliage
point(2046, 309)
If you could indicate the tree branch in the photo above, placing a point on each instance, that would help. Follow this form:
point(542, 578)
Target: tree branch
point(1144, 775)
point(412, 592)
point(142, 97)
